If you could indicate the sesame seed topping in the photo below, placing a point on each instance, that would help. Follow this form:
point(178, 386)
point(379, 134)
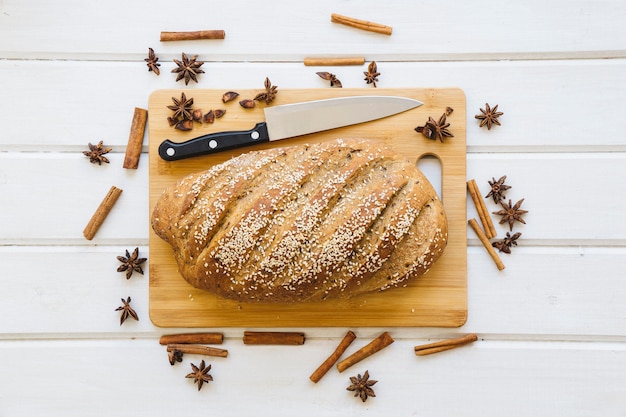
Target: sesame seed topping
point(304, 223)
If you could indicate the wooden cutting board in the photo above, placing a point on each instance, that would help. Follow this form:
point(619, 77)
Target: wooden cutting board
point(439, 298)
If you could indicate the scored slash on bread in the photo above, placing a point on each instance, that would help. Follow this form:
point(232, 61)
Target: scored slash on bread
point(303, 223)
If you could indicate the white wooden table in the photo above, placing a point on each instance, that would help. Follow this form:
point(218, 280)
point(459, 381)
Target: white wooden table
point(551, 326)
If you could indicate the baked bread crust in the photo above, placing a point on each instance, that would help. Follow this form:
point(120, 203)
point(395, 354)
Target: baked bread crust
point(304, 223)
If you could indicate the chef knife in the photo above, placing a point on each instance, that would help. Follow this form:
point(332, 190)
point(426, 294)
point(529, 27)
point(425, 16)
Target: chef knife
point(290, 120)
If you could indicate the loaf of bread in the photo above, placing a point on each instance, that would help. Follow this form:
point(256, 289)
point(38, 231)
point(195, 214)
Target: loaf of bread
point(304, 223)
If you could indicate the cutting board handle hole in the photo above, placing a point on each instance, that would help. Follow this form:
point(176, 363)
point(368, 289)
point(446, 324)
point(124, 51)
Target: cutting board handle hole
point(430, 165)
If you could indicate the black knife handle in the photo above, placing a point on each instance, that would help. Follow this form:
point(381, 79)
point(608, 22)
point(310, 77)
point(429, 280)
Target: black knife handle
point(213, 142)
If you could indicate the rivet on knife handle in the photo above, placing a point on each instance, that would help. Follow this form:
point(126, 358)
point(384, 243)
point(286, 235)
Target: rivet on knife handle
point(213, 142)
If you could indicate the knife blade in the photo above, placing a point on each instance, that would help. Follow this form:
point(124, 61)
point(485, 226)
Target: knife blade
point(290, 120)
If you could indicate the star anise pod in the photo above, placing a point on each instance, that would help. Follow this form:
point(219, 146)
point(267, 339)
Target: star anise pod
point(196, 115)
point(174, 356)
point(96, 153)
point(247, 103)
point(489, 116)
point(435, 129)
point(200, 374)
point(269, 94)
point(334, 81)
point(229, 96)
point(188, 68)
point(131, 263)
point(127, 311)
point(209, 117)
point(497, 189)
point(504, 245)
point(182, 108)
point(371, 75)
point(511, 213)
point(184, 125)
point(362, 386)
point(152, 62)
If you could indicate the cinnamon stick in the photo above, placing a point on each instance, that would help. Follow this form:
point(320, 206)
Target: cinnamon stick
point(197, 350)
point(430, 351)
point(483, 238)
point(135, 138)
point(330, 361)
point(101, 213)
point(374, 346)
point(481, 208)
point(273, 338)
point(192, 36)
point(445, 345)
point(322, 62)
point(361, 24)
point(192, 338)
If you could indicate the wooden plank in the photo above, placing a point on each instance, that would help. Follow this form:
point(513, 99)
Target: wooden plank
point(67, 290)
point(542, 289)
point(65, 190)
point(28, 179)
point(550, 117)
point(543, 293)
point(560, 29)
point(554, 185)
point(436, 299)
point(541, 378)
